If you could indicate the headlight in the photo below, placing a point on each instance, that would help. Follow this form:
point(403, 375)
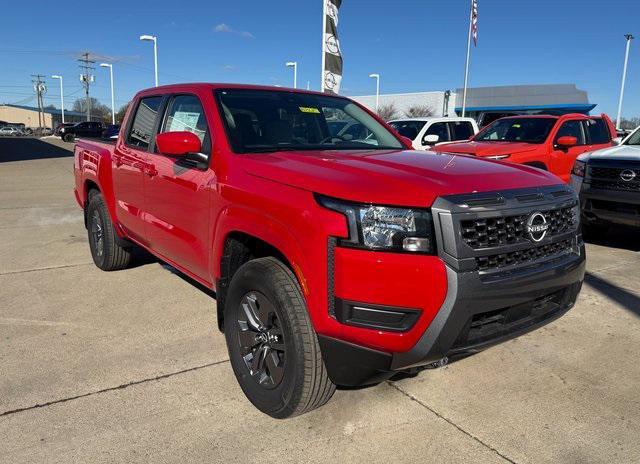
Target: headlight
point(384, 227)
point(579, 168)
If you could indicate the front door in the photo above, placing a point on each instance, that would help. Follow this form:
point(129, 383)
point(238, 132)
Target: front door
point(563, 158)
point(179, 193)
point(130, 165)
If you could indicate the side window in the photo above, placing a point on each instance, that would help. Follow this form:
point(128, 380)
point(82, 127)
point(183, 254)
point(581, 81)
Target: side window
point(185, 113)
point(598, 131)
point(573, 129)
point(461, 130)
point(439, 129)
point(143, 122)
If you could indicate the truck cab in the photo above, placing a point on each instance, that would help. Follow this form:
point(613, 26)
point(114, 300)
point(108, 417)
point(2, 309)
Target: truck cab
point(427, 132)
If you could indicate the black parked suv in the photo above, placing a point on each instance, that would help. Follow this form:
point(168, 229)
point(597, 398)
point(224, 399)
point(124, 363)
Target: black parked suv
point(82, 129)
point(608, 182)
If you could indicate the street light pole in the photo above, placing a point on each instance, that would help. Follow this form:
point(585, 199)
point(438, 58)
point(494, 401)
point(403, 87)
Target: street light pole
point(294, 65)
point(629, 38)
point(61, 95)
point(377, 78)
point(113, 105)
point(153, 39)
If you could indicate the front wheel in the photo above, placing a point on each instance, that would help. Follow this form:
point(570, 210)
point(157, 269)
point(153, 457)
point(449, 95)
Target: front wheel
point(68, 137)
point(272, 345)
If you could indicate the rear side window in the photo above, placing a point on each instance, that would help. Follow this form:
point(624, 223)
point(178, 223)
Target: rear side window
point(409, 129)
point(185, 113)
point(143, 122)
point(461, 130)
point(598, 131)
point(572, 129)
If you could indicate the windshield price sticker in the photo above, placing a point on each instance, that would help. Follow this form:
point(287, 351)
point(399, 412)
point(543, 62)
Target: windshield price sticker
point(307, 109)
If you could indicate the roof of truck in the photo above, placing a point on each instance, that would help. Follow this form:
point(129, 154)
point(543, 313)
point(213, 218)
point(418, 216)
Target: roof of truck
point(221, 85)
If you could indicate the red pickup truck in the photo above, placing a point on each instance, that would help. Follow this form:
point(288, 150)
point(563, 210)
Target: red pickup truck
point(547, 142)
point(335, 260)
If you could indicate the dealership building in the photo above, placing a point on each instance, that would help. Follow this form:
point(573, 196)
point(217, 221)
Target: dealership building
point(27, 115)
point(491, 101)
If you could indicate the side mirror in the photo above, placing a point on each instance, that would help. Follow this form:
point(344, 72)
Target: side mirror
point(430, 139)
point(407, 141)
point(178, 144)
point(617, 140)
point(567, 141)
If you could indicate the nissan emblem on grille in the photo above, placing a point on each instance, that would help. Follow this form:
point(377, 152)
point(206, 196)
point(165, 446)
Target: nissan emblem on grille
point(627, 175)
point(537, 226)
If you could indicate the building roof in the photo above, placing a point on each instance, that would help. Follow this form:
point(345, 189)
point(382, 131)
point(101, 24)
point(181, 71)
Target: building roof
point(46, 110)
point(526, 97)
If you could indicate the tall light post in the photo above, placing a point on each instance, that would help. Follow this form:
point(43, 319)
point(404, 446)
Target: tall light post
point(113, 104)
point(153, 39)
point(377, 78)
point(629, 38)
point(55, 76)
point(294, 65)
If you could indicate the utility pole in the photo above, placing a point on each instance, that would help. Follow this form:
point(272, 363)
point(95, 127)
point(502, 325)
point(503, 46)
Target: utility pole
point(86, 78)
point(40, 89)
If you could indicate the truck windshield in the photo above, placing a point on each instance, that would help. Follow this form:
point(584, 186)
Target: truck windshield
point(634, 139)
point(261, 121)
point(528, 130)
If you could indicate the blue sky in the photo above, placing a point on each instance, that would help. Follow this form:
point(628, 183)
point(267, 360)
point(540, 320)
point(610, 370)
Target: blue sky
point(415, 45)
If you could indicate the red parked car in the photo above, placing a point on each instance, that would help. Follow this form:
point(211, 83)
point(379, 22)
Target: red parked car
point(335, 259)
point(547, 142)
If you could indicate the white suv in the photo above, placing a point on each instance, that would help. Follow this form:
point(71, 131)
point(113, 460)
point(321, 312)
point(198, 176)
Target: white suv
point(427, 132)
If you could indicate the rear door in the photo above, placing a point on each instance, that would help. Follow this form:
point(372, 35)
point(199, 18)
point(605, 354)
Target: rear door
point(598, 134)
point(562, 159)
point(461, 130)
point(179, 191)
point(130, 166)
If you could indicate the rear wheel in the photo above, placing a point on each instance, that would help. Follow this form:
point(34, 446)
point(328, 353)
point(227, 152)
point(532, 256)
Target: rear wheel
point(272, 346)
point(106, 252)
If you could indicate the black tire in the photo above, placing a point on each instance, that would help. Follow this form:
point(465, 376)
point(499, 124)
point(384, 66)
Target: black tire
point(292, 378)
point(106, 252)
point(68, 138)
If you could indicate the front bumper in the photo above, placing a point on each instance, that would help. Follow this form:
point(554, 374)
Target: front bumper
point(610, 206)
point(469, 308)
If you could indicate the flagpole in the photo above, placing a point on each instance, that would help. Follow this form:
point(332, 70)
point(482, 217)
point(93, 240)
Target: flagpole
point(466, 66)
point(324, 34)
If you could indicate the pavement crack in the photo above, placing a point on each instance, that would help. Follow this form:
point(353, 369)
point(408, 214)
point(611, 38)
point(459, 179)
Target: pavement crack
point(48, 268)
point(449, 421)
point(110, 389)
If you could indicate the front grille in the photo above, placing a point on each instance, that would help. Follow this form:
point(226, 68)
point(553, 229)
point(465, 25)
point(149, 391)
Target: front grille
point(605, 173)
point(520, 257)
point(616, 185)
point(509, 230)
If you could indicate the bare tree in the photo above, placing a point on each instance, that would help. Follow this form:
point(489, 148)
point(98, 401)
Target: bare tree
point(121, 112)
point(418, 111)
point(629, 123)
point(99, 111)
point(388, 112)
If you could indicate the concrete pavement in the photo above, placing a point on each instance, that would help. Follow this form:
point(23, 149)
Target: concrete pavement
point(129, 366)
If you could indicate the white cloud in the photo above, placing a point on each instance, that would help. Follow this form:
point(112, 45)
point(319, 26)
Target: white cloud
point(226, 29)
point(229, 67)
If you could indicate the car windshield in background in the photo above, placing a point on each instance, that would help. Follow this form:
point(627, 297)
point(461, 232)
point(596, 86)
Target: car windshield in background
point(260, 121)
point(409, 129)
point(634, 139)
point(528, 130)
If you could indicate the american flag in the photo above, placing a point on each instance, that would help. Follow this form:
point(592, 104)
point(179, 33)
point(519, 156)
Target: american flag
point(474, 21)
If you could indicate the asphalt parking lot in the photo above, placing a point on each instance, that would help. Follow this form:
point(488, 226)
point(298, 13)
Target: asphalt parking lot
point(129, 366)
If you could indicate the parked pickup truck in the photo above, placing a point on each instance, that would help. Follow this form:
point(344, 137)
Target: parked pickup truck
point(429, 131)
point(608, 182)
point(547, 142)
point(334, 260)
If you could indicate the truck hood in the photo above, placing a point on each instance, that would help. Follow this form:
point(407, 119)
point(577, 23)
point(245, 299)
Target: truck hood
point(619, 153)
point(403, 178)
point(486, 148)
